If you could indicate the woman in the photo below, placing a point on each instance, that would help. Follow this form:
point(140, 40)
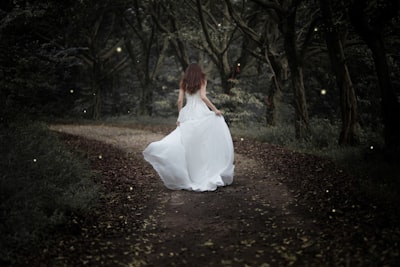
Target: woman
point(198, 154)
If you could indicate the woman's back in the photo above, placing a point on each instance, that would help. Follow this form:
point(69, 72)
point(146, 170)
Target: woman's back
point(198, 154)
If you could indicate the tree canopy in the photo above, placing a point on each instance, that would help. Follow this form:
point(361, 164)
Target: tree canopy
point(270, 62)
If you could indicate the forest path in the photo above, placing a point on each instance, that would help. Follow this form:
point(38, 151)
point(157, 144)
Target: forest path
point(283, 209)
point(235, 225)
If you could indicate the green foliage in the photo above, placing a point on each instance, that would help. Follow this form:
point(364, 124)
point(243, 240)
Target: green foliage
point(41, 184)
point(34, 68)
point(240, 107)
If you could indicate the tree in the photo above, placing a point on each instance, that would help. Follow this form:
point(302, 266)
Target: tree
point(285, 15)
point(370, 19)
point(145, 47)
point(348, 102)
point(99, 30)
point(261, 29)
point(165, 14)
point(35, 61)
point(218, 35)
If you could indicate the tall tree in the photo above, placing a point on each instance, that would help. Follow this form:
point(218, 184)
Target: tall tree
point(348, 102)
point(263, 31)
point(167, 16)
point(285, 14)
point(145, 47)
point(102, 42)
point(217, 37)
point(370, 19)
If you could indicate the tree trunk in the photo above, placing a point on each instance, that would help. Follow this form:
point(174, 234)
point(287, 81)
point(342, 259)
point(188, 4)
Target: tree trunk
point(96, 88)
point(390, 103)
point(296, 72)
point(274, 96)
point(348, 134)
point(300, 104)
point(97, 105)
point(146, 100)
point(348, 102)
point(371, 32)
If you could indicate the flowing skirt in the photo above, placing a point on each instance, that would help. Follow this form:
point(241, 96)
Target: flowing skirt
point(198, 155)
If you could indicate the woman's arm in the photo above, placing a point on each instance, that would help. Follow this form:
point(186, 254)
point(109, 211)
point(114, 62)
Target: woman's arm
point(204, 97)
point(180, 102)
point(180, 99)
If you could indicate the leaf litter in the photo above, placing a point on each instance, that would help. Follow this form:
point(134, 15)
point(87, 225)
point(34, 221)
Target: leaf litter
point(283, 209)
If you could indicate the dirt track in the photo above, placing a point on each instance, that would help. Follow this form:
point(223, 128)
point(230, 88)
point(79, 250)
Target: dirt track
point(265, 218)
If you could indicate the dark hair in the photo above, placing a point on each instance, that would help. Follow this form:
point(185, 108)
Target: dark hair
point(193, 78)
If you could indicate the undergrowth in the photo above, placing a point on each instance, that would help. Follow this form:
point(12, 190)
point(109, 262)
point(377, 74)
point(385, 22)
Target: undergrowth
point(42, 183)
point(379, 179)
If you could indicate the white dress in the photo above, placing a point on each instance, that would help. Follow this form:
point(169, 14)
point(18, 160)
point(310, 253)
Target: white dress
point(198, 154)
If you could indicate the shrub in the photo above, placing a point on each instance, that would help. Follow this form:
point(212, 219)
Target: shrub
point(41, 184)
point(240, 108)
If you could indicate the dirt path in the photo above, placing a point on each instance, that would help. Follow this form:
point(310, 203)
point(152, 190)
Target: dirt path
point(276, 213)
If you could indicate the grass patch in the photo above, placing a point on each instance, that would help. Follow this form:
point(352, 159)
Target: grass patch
point(42, 183)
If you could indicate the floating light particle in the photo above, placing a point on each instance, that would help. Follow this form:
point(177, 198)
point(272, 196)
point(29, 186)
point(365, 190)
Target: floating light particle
point(131, 188)
point(323, 91)
point(119, 49)
point(34, 160)
point(129, 111)
point(241, 139)
point(100, 156)
point(94, 94)
point(316, 29)
point(84, 111)
point(371, 147)
point(71, 91)
point(238, 64)
point(333, 210)
point(219, 25)
point(327, 190)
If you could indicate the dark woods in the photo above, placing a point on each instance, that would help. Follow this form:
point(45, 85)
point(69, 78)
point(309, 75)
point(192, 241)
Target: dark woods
point(320, 74)
point(298, 61)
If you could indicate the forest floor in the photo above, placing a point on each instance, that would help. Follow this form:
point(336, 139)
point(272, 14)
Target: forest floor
point(283, 209)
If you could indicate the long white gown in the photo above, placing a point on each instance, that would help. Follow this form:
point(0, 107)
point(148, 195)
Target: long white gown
point(198, 155)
